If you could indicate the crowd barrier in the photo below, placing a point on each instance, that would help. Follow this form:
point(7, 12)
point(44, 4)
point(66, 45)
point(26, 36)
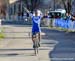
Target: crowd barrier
point(64, 23)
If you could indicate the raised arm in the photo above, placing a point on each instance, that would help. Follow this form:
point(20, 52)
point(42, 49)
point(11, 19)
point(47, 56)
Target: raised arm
point(27, 10)
point(30, 14)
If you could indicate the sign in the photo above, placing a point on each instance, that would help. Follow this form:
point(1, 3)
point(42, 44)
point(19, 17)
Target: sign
point(12, 1)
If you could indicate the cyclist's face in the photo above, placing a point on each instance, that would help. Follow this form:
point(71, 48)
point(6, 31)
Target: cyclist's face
point(36, 13)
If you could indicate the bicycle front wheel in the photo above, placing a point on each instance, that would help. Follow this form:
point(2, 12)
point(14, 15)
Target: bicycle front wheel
point(36, 47)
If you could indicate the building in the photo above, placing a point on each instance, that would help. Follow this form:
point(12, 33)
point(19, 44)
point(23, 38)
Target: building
point(14, 9)
point(3, 5)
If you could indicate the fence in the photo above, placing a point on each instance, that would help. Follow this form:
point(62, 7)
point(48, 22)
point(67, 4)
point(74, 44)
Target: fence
point(64, 23)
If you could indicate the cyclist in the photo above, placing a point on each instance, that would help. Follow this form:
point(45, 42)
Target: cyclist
point(36, 18)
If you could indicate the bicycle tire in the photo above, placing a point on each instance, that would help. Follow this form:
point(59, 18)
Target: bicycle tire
point(36, 47)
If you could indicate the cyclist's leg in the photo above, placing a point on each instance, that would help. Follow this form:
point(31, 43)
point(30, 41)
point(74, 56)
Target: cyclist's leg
point(39, 38)
point(39, 35)
point(33, 38)
point(33, 34)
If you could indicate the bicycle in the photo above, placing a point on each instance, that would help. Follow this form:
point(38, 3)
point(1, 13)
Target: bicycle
point(36, 44)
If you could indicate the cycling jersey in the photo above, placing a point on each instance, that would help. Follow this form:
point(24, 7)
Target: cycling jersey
point(35, 24)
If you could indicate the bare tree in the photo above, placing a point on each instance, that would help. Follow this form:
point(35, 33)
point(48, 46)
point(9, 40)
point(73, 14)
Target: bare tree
point(33, 4)
point(2, 8)
point(67, 5)
point(63, 1)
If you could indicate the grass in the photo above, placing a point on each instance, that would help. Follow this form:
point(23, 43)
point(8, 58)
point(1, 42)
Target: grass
point(58, 28)
point(1, 35)
point(61, 29)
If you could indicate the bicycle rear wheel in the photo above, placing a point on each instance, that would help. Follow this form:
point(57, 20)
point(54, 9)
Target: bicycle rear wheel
point(36, 47)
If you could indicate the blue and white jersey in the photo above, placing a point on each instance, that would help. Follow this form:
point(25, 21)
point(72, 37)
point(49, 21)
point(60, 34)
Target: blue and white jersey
point(36, 23)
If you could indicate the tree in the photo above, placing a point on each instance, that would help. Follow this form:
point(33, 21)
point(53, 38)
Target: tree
point(2, 8)
point(67, 5)
point(63, 1)
point(32, 4)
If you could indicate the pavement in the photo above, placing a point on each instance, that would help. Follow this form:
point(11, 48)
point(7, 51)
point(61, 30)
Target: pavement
point(55, 45)
point(17, 45)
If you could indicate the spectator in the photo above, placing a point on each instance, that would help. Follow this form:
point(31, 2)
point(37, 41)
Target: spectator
point(68, 16)
point(46, 19)
point(73, 17)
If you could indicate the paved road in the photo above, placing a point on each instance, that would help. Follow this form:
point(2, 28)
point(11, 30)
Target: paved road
point(55, 45)
point(64, 49)
point(18, 45)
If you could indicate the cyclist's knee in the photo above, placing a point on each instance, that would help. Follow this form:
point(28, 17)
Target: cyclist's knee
point(33, 38)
